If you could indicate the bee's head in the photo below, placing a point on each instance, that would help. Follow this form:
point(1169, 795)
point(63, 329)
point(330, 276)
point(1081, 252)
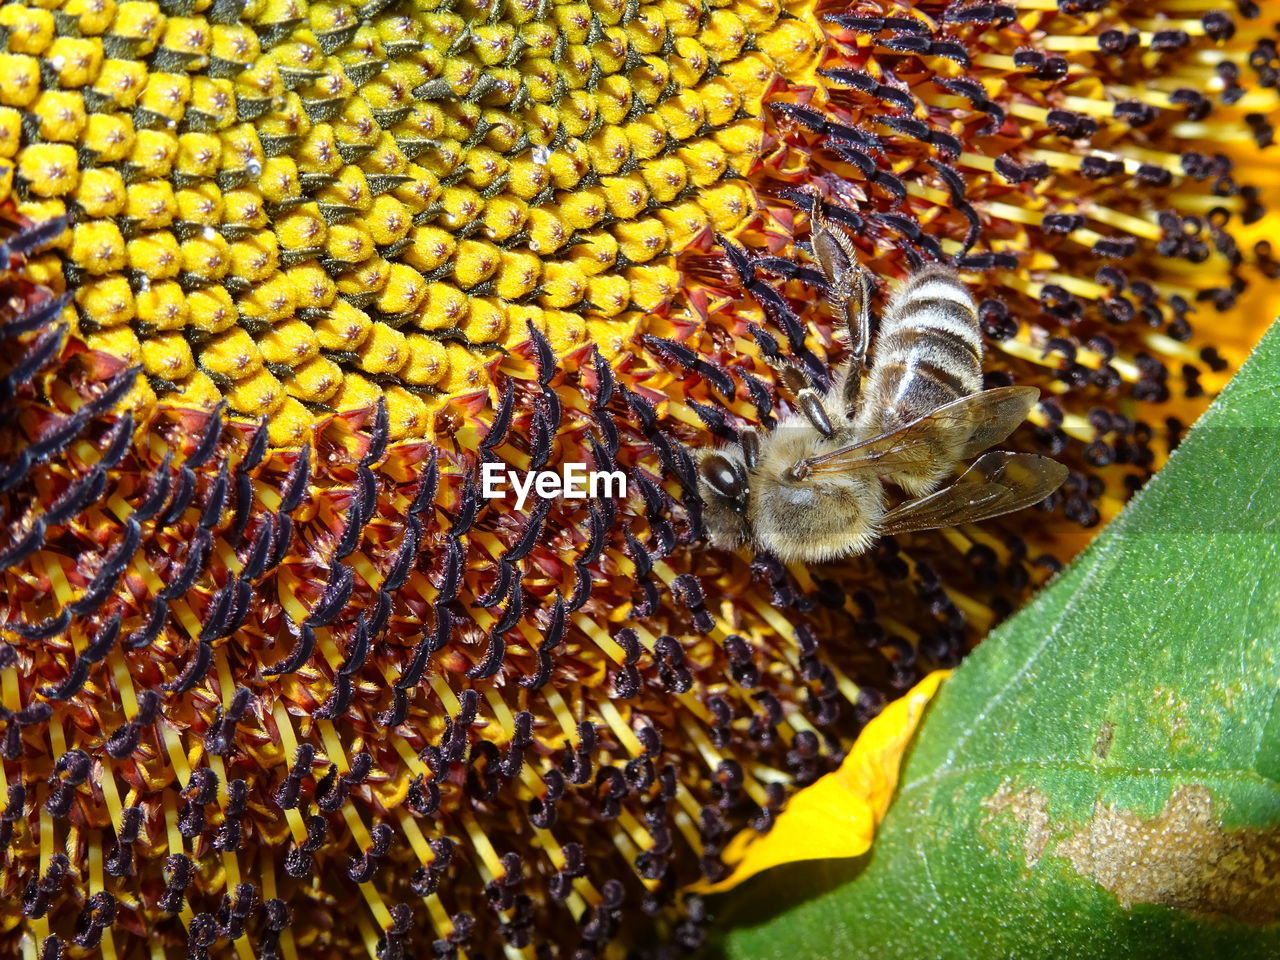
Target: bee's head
point(723, 483)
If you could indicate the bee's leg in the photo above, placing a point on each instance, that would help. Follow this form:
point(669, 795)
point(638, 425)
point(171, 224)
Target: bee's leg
point(807, 397)
point(858, 318)
point(749, 440)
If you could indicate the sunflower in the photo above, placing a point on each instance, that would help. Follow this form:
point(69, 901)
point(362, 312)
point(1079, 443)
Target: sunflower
point(277, 680)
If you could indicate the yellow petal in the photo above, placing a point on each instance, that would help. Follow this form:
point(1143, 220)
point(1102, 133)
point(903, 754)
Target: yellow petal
point(837, 816)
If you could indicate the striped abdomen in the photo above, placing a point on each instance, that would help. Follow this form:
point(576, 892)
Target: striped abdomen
point(928, 352)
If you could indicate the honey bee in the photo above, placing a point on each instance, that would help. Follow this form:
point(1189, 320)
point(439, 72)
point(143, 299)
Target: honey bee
point(815, 488)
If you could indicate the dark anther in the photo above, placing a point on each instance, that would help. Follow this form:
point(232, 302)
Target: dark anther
point(543, 356)
point(222, 731)
point(427, 482)
point(178, 872)
point(334, 599)
point(295, 485)
point(501, 419)
point(604, 378)
point(208, 441)
point(1166, 41)
point(1116, 42)
point(378, 435)
point(671, 670)
point(1134, 112)
point(301, 654)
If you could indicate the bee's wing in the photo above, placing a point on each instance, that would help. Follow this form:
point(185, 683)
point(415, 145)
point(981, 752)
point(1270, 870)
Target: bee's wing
point(997, 483)
point(968, 426)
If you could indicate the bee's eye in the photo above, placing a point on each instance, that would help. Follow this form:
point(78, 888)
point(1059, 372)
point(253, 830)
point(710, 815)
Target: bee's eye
point(724, 476)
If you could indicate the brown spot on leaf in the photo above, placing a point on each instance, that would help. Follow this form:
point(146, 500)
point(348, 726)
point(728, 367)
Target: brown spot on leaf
point(1102, 746)
point(1182, 857)
point(1030, 808)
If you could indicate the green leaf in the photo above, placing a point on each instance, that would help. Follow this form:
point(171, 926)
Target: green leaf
point(1100, 778)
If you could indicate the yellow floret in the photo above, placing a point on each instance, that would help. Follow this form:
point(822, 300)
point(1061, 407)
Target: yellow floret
point(728, 204)
point(565, 330)
point(141, 21)
point(583, 209)
point(370, 277)
point(92, 16)
point(30, 29)
point(234, 43)
point(255, 258)
point(10, 131)
point(315, 381)
point(77, 60)
point(405, 289)
point(486, 321)
point(465, 372)
point(626, 196)
point(563, 285)
point(428, 360)
point(289, 425)
point(166, 95)
point(168, 356)
point(690, 62)
point(356, 393)
point(743, 142)
point(383, 351)
point(97, 246)
point(101, 193)
point(652, 286)
point(151, 204)
point(683, 114)
point(429, 248)
point(272, 300)
point(164, 306)
point(109, 136)
point(279, 180)
point(705, 161)
point(207, 255)
point(476, 262)
point(349, 242)
point(187, 35)
point(257, 395)
point(199, 154)
point(597, 252)
point(609, 149)
point(647, 136)
point(153, 153)
point(344, 327)
point(107, 302)
point(527, 178)
point(290, 343)
point(517, 275)
point(119, 342)
point(443, 307)
point(724, 34)
point(684, 222)
point(122, 81)
point(50, 169)
point(792, 45)
point(641, 240)
point(388, 221)
point(201, 204)
point(212, 310)
point(407, 415)
point(197, 391)
point(610, 293)
point(156, 255)
point(547, 232)
point(233, 355)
